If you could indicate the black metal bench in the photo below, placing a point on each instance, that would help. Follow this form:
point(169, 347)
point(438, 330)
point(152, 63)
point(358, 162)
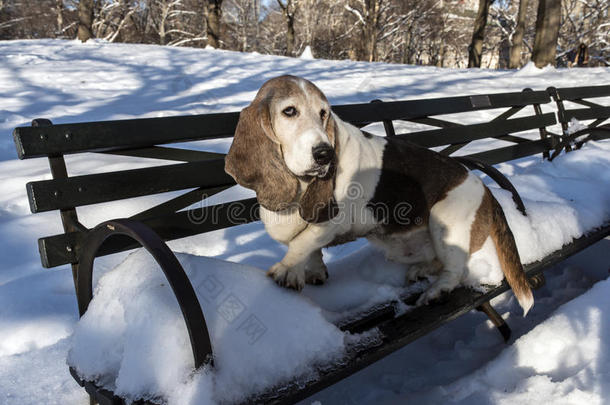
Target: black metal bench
point(203, 172)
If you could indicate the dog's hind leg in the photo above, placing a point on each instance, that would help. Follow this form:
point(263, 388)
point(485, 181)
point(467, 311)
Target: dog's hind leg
point(453, 260)
point(450, 226)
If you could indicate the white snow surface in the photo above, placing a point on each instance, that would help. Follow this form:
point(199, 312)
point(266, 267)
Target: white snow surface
point(560, 361)
point(140, 337)
point(133, 337)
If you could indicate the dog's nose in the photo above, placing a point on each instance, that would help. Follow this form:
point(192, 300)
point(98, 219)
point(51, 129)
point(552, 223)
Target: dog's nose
point(322, 153)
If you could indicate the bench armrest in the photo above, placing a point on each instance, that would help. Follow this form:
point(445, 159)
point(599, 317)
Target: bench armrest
point(177, 278)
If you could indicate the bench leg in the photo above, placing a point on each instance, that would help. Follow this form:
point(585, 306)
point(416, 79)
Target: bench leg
point(496, 319)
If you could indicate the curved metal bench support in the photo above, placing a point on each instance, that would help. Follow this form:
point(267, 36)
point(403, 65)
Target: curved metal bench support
point(179, 282)
point(496, 176)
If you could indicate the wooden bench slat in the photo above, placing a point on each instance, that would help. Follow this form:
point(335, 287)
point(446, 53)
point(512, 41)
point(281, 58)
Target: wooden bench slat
point(600, 133)
point(447, 136)
point(574, 93)
point(512, 152)
point(76, 191)
point(179, 203)
point(121, 134)
point(587, 113)
point(163, 153)
point(360, 114)
point(64, 248)
point(139, 133)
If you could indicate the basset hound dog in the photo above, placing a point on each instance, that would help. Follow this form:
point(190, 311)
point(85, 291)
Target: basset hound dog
point(321, 181)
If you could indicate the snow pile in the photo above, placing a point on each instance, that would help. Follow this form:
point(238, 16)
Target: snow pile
point(133, 338)
point(530, 69)
point(575, 126)
point(307, 53)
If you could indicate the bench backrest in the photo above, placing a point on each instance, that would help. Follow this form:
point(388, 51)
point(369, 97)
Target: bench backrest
point(202, 172)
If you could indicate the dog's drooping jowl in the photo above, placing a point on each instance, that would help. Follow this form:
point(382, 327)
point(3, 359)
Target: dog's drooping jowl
point(321, 181)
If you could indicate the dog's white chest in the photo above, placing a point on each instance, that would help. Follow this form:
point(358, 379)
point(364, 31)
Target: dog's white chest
point(360, 168)
point(284, 225)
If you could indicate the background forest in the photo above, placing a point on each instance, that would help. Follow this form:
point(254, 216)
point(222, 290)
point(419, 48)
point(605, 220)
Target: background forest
point(444, 33)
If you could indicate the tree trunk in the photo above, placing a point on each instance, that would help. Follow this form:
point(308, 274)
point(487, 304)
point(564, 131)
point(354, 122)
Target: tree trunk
point(515, 51)
point(547, 31)
point(214, 14)
point(440, 60)
point(85, 20)
point(406, 53)
point(162, 36)
point(368, 47)
point(478, 34)
point(289, 11)
point(374, 8)
point(290, 35)
point(257, 9)
point(368, 43)
point(59, 9)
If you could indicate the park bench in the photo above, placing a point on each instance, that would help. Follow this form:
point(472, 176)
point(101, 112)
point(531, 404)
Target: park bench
point(202, 173)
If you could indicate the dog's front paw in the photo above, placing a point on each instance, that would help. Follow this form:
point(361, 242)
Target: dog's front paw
point(285, 276)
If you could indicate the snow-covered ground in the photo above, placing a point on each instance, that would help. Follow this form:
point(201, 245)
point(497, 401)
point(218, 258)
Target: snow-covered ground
point(561, 350)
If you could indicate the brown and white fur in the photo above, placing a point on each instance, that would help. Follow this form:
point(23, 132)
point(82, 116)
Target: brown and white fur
point(321, 181)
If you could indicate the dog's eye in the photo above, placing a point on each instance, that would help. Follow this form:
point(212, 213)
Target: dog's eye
point(289, 111)
point(323, 114)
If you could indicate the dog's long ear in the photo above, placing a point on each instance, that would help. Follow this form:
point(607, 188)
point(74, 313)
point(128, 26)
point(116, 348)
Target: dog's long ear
point(255, 159)
point(318, 204)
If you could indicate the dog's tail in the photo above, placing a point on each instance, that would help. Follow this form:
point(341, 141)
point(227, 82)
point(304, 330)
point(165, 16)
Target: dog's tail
point(509, 257)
